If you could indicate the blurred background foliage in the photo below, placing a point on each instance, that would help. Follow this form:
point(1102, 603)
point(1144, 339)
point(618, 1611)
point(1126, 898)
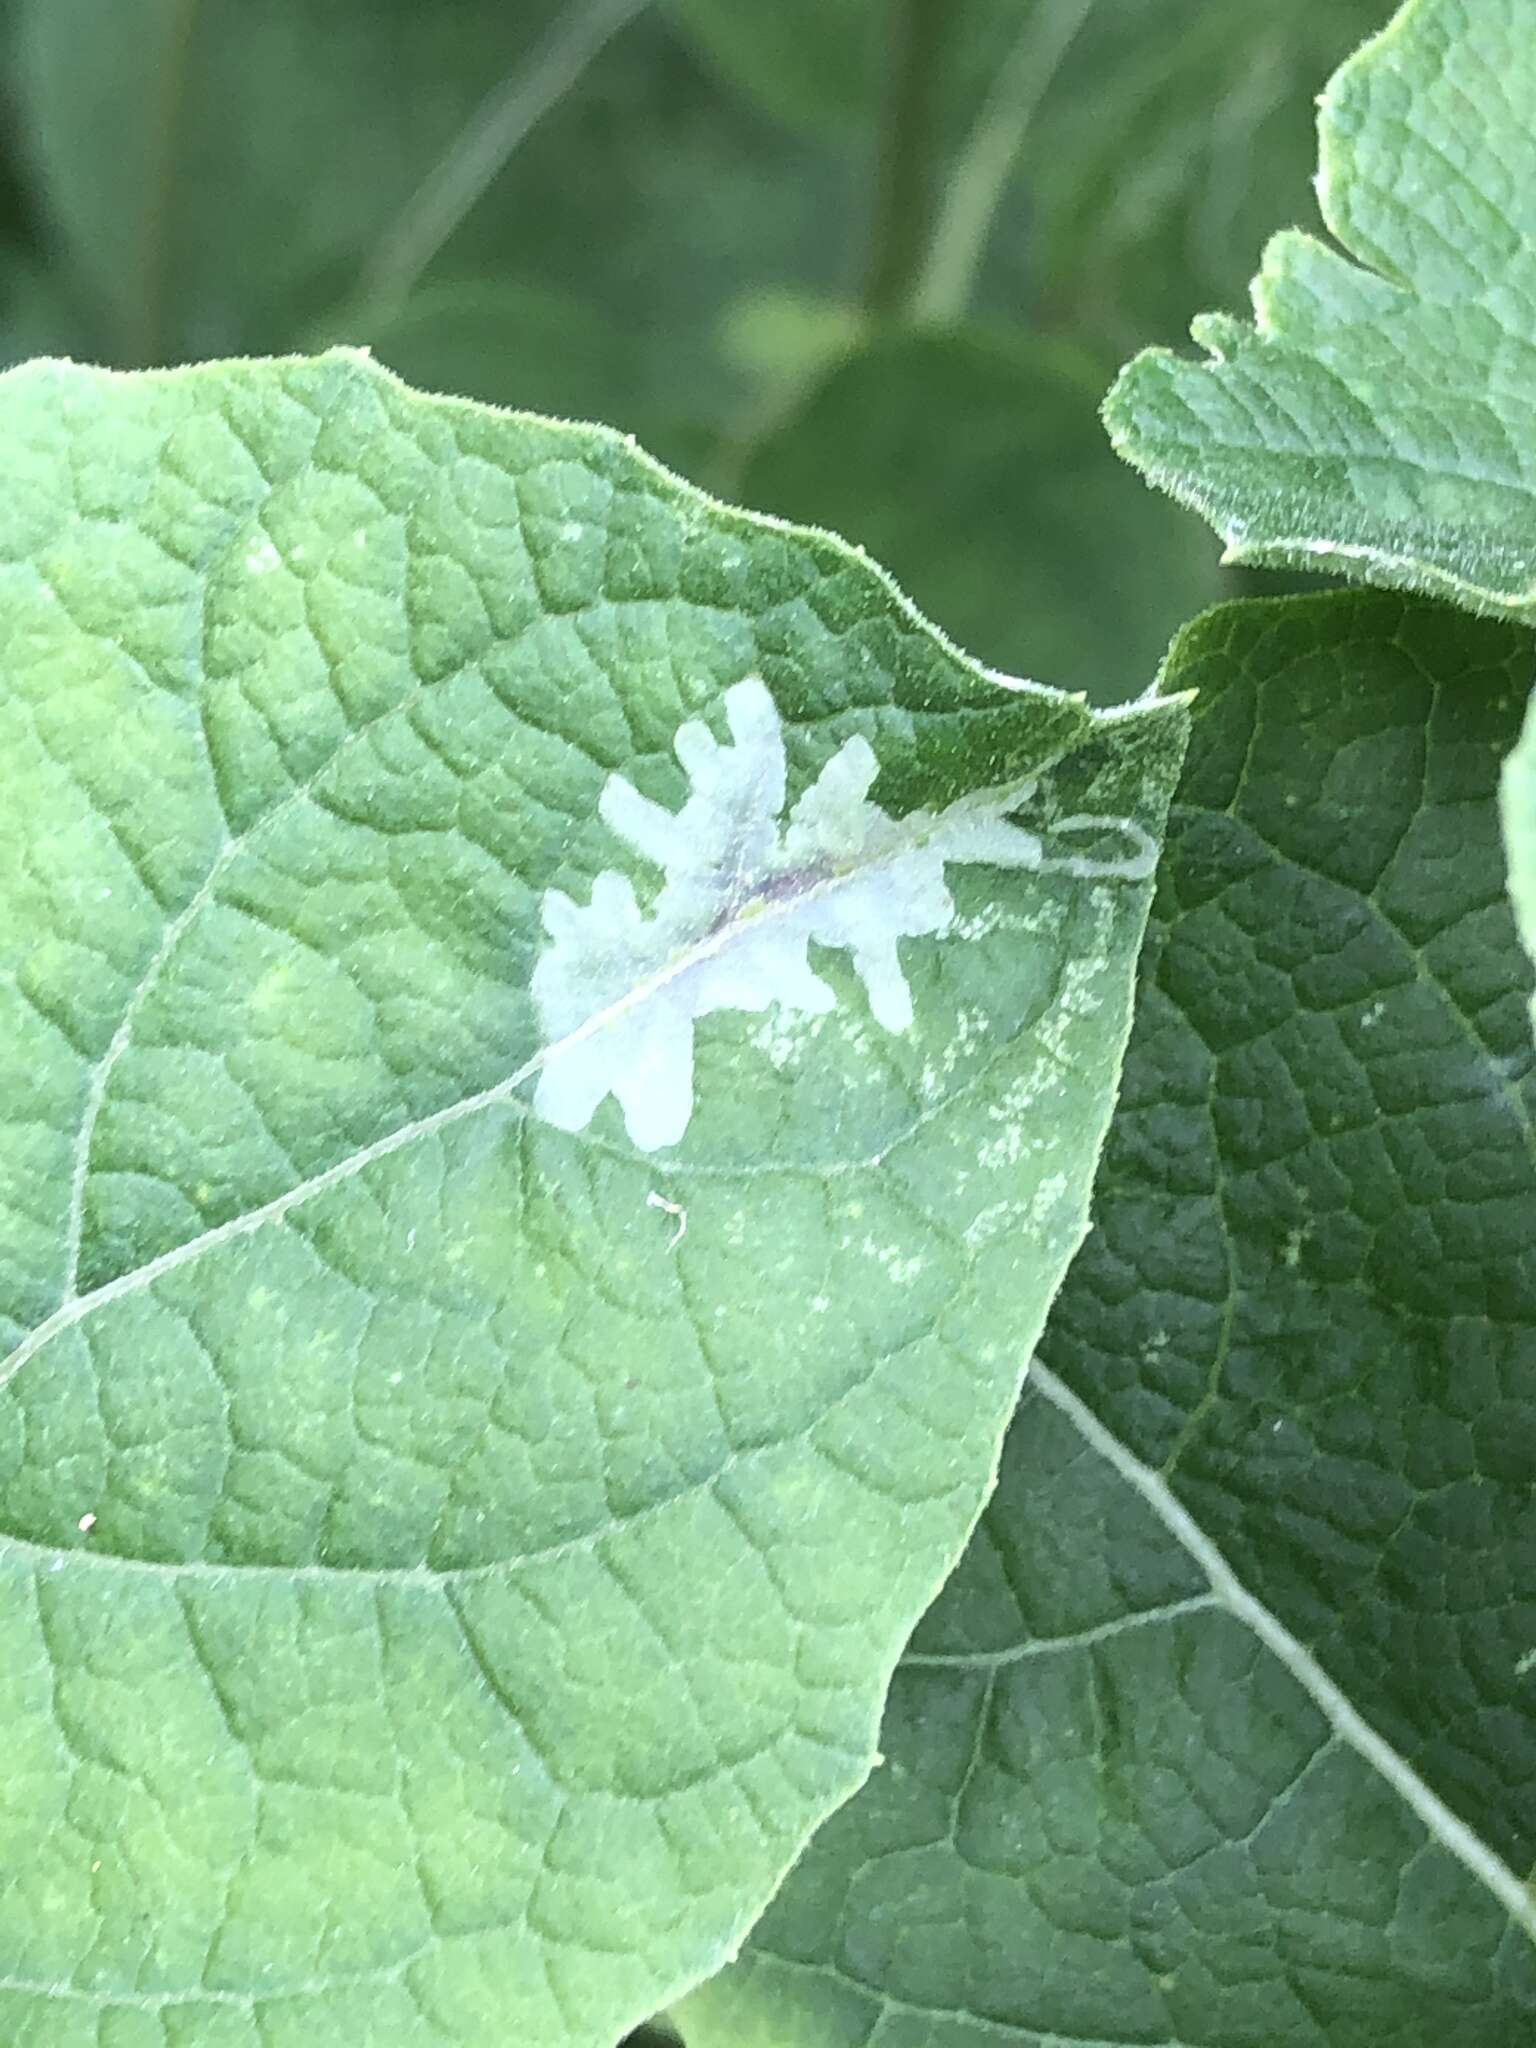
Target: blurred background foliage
point(867, 263)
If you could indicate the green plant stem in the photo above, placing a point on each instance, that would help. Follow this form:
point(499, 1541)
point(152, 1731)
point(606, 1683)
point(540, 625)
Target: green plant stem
point(904, 184)
point(499, 125)
point(947, 284)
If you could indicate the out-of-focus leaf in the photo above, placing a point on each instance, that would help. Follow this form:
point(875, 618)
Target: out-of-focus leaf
point(1160, 140)
point(535, 348)
point(976, 467)
point(529, 347)
point(215, 170)
point(661, 202)
point(1225, 1730)
point(1176, 136)
point(223, 179)
point(824, 63)
point(811, 62)
point(782, 341)
point(35, 316)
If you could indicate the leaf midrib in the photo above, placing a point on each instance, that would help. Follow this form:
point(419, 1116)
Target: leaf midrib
point(1443, 1826)
point(76, 1307)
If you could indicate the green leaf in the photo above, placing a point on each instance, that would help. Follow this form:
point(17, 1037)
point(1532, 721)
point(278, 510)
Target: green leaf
point(1168, 146)
point(176, 142)
point(451, 1561)
point(1376, 418)
point(35, 314)
point(537, 348)
point(823, 64)
point(1149, 161)
point(526, 346)
point(813, 62)
point(641, 203)
point(974, 466)
point(1225, 1729)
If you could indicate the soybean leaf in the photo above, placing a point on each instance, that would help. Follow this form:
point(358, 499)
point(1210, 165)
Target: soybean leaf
point(1376, 418)
point(456, 1535)
point(1225, 1729)
point(973, 466)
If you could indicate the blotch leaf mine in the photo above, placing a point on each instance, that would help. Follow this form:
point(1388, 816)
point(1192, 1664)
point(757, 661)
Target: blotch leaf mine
point(619, 989)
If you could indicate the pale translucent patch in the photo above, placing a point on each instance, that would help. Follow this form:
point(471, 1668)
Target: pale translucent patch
point(619, 990)
point(261, 558)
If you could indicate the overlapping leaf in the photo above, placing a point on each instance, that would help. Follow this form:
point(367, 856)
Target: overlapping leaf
point(1225, 1730)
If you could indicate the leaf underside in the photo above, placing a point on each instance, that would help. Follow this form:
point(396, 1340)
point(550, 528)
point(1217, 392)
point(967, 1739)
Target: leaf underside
point(1378, 419)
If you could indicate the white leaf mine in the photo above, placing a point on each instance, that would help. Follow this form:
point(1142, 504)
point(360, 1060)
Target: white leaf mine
point(619, 989)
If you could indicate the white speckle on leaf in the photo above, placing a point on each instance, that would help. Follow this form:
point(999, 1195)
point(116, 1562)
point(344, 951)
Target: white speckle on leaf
point(746, 893)
point(1013, 1111)
point(86, 1524)
point(1295, 1239)
point(981, 924)
point(679, 1215)
point(784, 1035)
point(261, 558)
point(898, 1268)
point(994, 1221)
